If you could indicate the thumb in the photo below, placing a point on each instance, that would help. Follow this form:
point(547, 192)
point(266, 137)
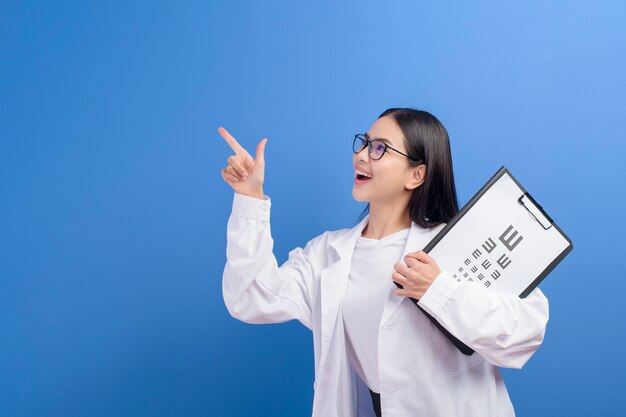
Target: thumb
point(260, 151)
point(423, 257)
point(430, 260)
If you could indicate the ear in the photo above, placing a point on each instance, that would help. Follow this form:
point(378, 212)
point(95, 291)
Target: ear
point(418, 175)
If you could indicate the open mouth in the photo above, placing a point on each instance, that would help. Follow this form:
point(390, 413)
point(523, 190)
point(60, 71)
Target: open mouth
point(360, 177)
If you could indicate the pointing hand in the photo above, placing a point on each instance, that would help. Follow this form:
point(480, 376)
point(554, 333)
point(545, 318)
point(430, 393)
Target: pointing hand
point(244, 173)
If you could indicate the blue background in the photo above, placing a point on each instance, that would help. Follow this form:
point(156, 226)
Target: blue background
point(113, 211)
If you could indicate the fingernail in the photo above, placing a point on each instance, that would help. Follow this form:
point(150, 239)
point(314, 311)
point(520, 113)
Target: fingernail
point(245, 174)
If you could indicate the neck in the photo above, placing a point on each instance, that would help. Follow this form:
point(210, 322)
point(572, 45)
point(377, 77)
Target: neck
point(385, 219)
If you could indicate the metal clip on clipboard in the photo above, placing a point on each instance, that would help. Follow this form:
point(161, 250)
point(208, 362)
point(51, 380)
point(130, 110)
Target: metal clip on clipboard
point(536, 211)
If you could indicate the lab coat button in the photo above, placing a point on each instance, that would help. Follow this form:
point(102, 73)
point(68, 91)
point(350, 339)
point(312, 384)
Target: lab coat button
point(387, 327)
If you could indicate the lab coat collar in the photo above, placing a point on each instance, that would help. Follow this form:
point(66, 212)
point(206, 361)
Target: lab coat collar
point(332, 366)
point(335, 277)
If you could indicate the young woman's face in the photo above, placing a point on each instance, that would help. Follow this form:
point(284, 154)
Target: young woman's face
point(389, 174)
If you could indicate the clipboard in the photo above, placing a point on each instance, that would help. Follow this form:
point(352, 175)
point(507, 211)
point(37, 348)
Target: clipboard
point(502, 239)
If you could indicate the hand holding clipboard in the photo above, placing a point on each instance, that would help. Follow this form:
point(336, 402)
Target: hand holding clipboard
point(501, 239)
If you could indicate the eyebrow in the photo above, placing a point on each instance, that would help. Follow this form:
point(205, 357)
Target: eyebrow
point(382, 139)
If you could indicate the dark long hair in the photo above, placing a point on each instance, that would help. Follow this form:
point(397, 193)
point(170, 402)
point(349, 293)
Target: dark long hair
point(435, 201)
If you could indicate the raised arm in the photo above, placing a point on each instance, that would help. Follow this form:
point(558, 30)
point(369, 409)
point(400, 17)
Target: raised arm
point(254, 287)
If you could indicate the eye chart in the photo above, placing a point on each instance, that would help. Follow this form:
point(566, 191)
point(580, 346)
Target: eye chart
point(501, 239)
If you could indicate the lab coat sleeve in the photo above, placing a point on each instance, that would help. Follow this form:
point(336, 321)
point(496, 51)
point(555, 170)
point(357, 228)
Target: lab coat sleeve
point(254, 287)
point(505, 330)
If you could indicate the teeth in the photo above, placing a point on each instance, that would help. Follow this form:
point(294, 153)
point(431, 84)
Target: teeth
point(363, 173)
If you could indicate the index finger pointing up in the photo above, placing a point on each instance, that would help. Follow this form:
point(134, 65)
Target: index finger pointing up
point(239, 150)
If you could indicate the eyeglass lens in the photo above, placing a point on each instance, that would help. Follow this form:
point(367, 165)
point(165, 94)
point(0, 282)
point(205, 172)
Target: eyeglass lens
point(376, 150)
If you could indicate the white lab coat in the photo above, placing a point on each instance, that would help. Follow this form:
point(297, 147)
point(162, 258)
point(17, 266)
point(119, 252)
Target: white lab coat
point(420, 370)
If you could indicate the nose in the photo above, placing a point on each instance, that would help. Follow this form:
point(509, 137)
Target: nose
point(364, 154)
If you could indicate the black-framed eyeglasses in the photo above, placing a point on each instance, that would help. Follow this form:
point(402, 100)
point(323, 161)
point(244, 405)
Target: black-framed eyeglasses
point(377, 148)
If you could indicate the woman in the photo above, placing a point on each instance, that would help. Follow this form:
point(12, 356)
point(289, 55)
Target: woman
point(375, 353)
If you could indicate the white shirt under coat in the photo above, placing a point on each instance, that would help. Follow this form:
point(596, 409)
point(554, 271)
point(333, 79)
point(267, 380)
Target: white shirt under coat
point(370, 276)
point(420, 372)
